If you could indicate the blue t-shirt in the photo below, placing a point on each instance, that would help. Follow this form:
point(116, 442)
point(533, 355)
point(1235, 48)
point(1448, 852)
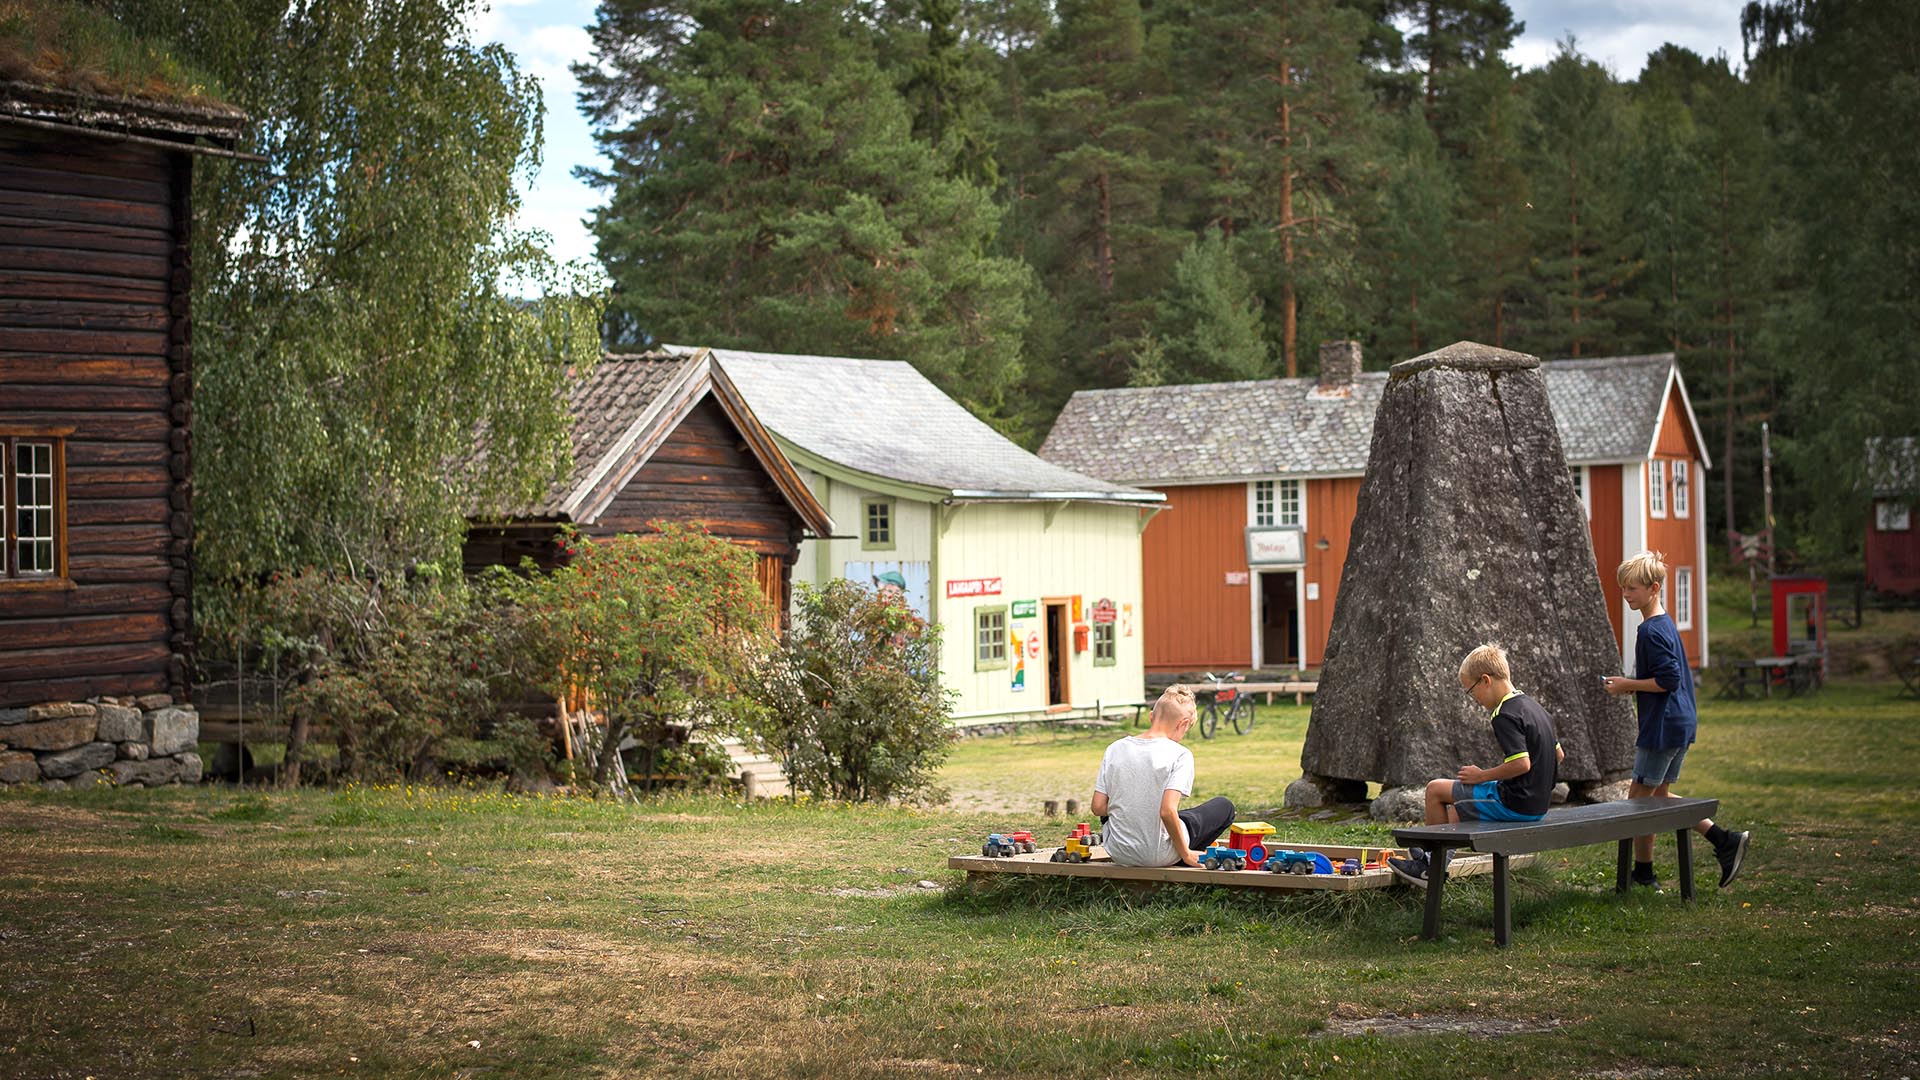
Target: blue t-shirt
point(1667, 718)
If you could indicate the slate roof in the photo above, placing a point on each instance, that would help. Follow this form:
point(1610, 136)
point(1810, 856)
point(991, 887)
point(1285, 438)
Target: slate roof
point(1606, 410)
point(883, 418)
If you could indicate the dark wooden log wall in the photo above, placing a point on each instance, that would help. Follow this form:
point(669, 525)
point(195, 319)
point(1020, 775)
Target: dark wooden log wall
point(95, 336)
point(703, 472)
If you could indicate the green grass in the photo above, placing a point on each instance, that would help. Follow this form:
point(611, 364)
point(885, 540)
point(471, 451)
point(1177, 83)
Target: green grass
point(382, 932)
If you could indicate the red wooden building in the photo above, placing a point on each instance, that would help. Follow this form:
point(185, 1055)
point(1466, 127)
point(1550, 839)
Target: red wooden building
point(1263, 478)
point(664, 437)
point(1892, 547)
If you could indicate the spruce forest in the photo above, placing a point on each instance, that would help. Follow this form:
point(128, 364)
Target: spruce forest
point(1026, 198)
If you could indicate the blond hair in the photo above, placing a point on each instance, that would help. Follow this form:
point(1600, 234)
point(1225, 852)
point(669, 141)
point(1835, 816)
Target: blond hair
point(1175, 702)
point(1646, 568)
point(1488, 659)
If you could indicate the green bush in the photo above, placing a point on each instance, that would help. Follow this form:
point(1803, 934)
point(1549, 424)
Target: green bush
point(402, 674)
point(852, 700)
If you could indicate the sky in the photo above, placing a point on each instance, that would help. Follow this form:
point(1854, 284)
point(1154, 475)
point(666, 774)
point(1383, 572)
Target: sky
point(548, 35)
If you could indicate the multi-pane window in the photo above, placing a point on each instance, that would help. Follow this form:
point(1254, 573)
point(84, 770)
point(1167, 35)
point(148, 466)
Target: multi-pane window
point(989, 638)
point(1683, 596)
point(1579, 477)
point(34, 545)
point(1263, 502)
point(1289, 509)
point(1657, 488)
point(1891, 516)
point(1103, 644)
point(1682, 498)
point(879, 529)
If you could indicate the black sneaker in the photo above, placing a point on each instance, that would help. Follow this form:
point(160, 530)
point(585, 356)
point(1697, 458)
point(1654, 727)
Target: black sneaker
point(1412, 871)
point(1652, 883)
point(1732, 855)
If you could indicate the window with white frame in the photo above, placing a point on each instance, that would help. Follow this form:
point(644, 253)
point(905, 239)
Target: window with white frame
point(1891, 516)
point(1289, 509)
point(35, 541)
point(1579, 475)
point(1682, 498)
point(1657, 488)
point(1683, 597)
point(1263, 502)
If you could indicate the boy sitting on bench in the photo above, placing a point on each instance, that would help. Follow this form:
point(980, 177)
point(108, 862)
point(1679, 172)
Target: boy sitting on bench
point(1138, 791)
point(1520, 787)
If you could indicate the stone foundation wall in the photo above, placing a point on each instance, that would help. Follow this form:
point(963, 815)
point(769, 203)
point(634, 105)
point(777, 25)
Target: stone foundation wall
point(146, 741)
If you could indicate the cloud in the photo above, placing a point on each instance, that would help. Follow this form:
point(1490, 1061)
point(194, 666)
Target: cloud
point(1620, 33)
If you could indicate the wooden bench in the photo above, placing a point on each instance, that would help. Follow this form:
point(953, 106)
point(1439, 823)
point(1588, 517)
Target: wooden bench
point(979, 868)
point(1573, 826)
point(1910, 676)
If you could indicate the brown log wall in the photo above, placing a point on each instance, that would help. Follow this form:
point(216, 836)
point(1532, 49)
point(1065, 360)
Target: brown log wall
point(95, 336)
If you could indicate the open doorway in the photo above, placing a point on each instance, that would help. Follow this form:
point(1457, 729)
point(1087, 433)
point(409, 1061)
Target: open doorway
point(1279, 622)
point(1057, 645)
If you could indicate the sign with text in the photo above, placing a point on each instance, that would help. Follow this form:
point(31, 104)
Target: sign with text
point(1104, 611)
point(1026, 609)
point(1276, 545)
point(980, 586)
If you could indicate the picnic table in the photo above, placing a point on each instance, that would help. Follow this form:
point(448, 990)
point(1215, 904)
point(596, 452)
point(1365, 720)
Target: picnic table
point(1910, 676)
point(1758, 677)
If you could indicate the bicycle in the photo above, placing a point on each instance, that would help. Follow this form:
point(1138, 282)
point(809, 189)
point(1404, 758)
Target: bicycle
point(1239, 705)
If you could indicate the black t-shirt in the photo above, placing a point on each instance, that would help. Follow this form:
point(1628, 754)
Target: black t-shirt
point(1521, 726)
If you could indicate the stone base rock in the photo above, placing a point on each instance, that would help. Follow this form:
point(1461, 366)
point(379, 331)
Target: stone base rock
point(1314, 791)
point(171, 731)
point(118, 723)
point(150, 773)
point(1400, 804)
point(1560, 793)
point(80, 759)
point(18, 766)
point(134, 751)
point(191, 768)
point(1598, 791)
point(56, 733)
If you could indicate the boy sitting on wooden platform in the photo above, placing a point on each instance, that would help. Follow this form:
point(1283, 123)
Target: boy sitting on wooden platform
point(1138, 791)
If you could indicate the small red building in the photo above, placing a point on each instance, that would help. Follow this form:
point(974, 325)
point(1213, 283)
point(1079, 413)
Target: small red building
point(1262, 480)
point(1892, 547)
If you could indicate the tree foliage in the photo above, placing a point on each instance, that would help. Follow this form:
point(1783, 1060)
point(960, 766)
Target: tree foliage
point(353, 327)
point(852, 700)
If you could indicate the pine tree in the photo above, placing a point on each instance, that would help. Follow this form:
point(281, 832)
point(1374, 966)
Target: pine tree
point(1209, 318)
point(1410, 245)
point(767, 192)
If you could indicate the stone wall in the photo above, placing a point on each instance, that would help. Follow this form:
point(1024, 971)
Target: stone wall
point(146, 741)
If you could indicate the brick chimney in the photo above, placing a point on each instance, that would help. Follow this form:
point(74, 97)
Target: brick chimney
point(1339, 365)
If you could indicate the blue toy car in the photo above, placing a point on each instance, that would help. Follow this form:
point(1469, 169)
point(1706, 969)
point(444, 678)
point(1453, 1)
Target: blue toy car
point(1299, 862)
point(1219, 857)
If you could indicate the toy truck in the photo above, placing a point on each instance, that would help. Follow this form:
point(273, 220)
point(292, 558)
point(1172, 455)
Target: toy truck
point(1022, 841)
point(1350, 867)
point(1078, 847)
point(998, 846)
point(1221, 857)
point(1299, 862)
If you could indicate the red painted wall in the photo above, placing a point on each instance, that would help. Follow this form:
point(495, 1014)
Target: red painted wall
point(1192, 619)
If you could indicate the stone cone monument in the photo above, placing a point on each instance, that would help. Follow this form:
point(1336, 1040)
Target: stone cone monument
point(1468, 531)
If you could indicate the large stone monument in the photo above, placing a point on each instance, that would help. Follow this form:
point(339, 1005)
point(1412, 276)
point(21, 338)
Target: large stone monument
point(1468, 531)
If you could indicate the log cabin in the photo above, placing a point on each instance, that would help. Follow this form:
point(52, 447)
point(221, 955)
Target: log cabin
point(663, 437)
point(96, 414)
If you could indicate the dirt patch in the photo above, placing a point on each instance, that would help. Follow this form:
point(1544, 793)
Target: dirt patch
point(1391, 1024)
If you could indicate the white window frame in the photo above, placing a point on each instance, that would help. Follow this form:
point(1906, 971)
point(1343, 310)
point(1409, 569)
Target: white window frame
point(1290, 504)
point(1583, 487)
point(1891, 515)
point(1682, 490)
point(1683, 597)
point(1657, 488)
point(1261, 512)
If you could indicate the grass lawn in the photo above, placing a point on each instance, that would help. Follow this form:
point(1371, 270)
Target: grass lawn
point(457, 933)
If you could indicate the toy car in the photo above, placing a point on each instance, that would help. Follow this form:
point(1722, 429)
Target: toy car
point(1078, 847)
point(1221, 857)
point(1350, 867)
point(999, 846)
point(1293, 862)
point(1023, 840)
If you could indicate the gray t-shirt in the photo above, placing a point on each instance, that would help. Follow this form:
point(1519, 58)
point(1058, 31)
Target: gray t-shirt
point(1134, 773)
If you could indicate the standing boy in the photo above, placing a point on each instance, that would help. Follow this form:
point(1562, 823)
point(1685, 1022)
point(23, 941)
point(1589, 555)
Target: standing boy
point(1142, 780)
point(1664, 693)
point(1517, 789)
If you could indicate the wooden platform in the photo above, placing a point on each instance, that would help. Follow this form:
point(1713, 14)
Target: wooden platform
point(978, 867)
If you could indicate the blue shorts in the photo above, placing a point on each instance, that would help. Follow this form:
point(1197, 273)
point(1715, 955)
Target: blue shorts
point(1651, 768)
point(1481, 802)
